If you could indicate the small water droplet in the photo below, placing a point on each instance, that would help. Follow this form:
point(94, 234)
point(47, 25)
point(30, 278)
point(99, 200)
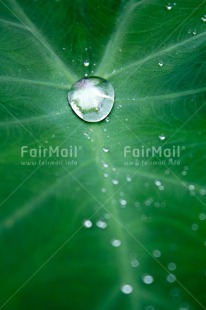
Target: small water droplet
point(171, 278)
point(103, 190)
point(191, 187)
point(171, 266)
point(148, 279)
point(161, 64)
point(194, 227)
point(123, 202)
point(115, 182)
point(101, 224)
point(127, 289)
point(202, 191)
point(91, 98)
point(128, 179)
point(87, 224)
point(86, 135)
point(157, 183)
point(134, 263)
point(149, 308)
point(107, 119)
point(106, 175)
point(162, 137)
point(169, 7)
point(156, 253)
point(184, 306)
point(86, 63)
point(107, 216)
point(105, 165)
point(106, 149)
point(194, 32)
point(116, 243)
point(202, 216)
point(204, 18)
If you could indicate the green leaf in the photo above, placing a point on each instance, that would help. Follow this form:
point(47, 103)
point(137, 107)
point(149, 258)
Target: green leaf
point(154, 56)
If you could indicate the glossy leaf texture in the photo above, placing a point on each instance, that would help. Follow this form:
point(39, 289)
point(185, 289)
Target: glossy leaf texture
point(147, 214)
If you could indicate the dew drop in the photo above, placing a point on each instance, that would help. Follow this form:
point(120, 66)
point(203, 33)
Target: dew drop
point(106, 175)
point(123, 202)
point(204, 18)
point(162, 137)
point(202, 216)
point(127, 289)
point(194, 227)
point(169, 7)
point(116, 243)
point(105, 165)
point(157, 183)
point(107, 119)
point(147, 279)
point(171, 266)
point(91, 98)
point(115, 182)
point(134, 263)
point(161, 64)
point(128, 179)
point(107, 216)
point(156, 253)
point(101, 224)
point(171, 278)
point(191, 187)
point(87, 224)
point(184, 306)
point(86, 63)
point(105, 149)
point(202, 191)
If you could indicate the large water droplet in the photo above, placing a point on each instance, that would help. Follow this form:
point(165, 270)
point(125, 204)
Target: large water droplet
point(91, 98)
point(127, 289)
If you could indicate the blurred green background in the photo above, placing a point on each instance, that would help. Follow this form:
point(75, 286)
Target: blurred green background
point(99, 231)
